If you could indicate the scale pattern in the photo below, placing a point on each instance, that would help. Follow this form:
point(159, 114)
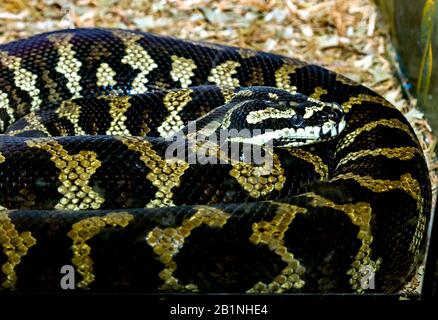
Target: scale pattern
point(84, 180)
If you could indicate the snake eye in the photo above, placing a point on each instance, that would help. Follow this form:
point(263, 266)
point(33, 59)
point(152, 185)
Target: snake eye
point(335, 115)
point(296, 120)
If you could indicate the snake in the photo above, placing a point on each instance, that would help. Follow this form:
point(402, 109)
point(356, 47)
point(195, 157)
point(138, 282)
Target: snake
point(137, 162)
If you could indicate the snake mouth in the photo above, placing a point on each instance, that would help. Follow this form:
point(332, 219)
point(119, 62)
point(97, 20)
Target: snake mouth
point(311, 134)
point(287, 137)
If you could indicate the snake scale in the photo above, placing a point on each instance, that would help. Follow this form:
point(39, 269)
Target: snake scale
point(86, 182)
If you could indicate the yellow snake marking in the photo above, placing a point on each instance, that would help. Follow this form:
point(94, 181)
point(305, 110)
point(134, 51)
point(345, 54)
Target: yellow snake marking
point(97, 53)
point(222, 75)
point(67, 64)
point(414, 247)
point(15, 246)
point(105, 75)
point(271, 234)
point(282, 78)
point(76, 171)
point(164, 175)
point(118, 107)
point(268, 113)
point(34, 123)
point(174, 101)
point(21, 107)
point(247, 53)
point(84, 230)
point(28, 198)
point(23, 79)
point(320, 167)
point(51, 86)
point(255, 77)
point(144, 125)
point(245, 93)
point(249, 177)
point(182, 70)
point(138, 58)
point(273, 96)
point(391, 123)
point(346, 106)
point(406, 184)
point(167, 242)
point(227, 93)
point(162, 85)
point(16, 132)
point(4, 104)
point(360, 215)
point(72, 111)
point(318, 93)
point(402, 153)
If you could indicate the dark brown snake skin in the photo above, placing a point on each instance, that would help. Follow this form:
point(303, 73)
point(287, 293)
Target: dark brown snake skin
point(81, 185)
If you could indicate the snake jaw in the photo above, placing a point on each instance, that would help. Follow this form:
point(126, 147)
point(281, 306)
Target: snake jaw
point(290, 136)
point(287, 137)
point(309, 135)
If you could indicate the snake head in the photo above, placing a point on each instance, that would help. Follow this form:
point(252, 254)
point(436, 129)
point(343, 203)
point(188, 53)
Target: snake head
point(288, 119)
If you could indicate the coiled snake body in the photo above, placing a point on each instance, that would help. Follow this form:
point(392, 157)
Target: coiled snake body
point(88, 117)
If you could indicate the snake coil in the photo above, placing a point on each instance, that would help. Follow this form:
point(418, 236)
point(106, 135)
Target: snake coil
point(86, 116)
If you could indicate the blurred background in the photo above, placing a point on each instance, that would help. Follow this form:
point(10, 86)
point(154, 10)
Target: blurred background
point(387, 45)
